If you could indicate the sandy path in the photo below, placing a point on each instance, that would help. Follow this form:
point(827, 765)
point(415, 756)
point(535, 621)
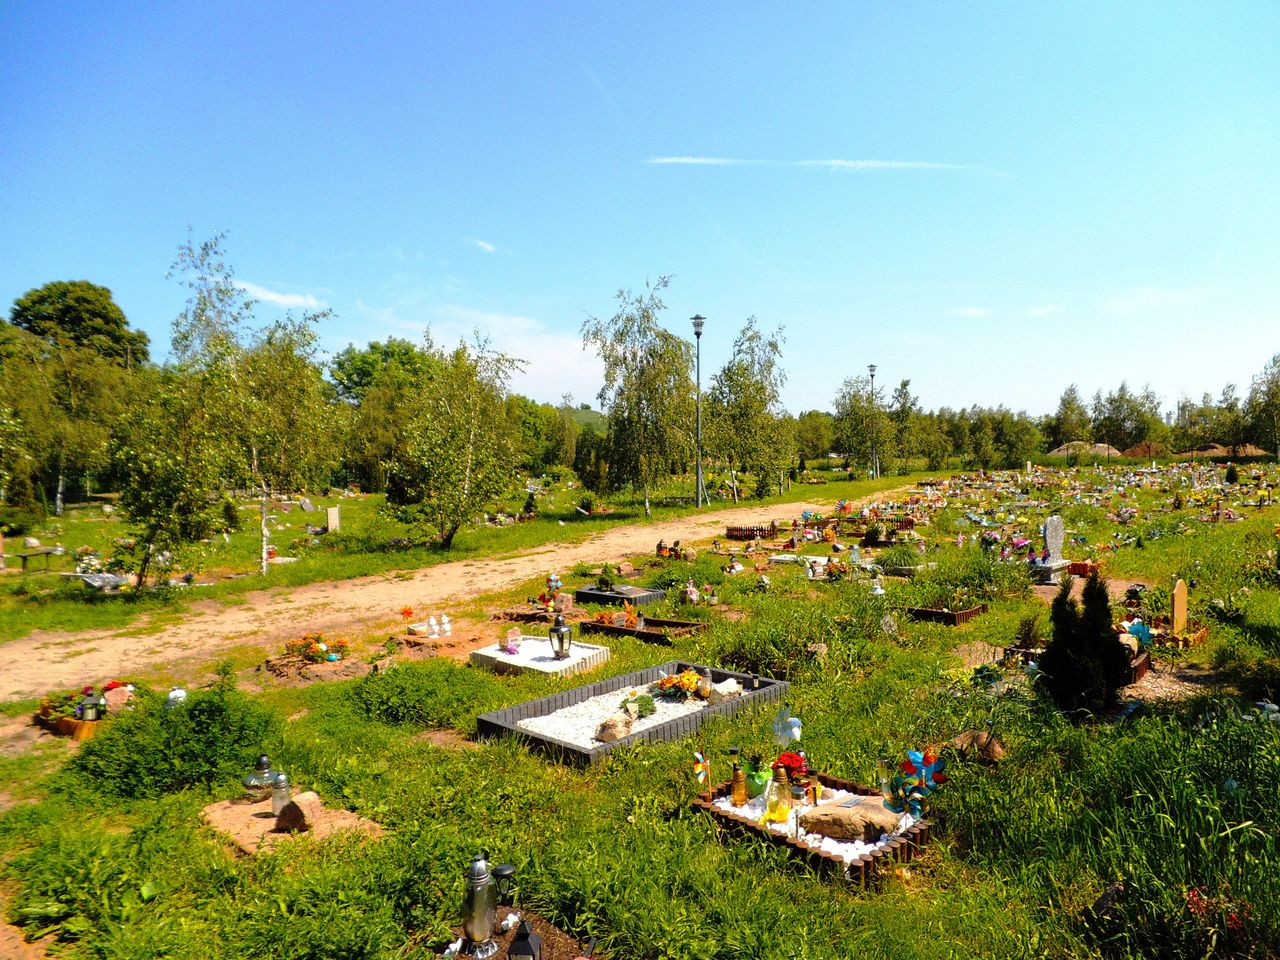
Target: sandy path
point(46, 661)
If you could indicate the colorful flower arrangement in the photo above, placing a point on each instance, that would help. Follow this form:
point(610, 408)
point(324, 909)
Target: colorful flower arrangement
point(547, 598)
point(67, 704)
point(678, 684)
point(796, 766)
point(313, 648)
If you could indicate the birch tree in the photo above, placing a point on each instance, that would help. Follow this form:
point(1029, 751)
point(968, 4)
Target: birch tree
point(648, 392)
point(459, 455)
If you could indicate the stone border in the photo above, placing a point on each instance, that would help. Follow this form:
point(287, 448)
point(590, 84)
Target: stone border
point(610, 598)
point(501, 722)
point(666, 629)
point(952, 618)
point(865, 871)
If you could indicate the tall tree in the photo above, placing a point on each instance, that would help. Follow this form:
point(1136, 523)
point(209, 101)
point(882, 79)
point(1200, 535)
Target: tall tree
point(744, 409)
point(81, 314)
point(1263, 406)
point(1070, 421)
point(814, 435)
point(861, 424)
point(459, 451)
point(356, 370)
point(648, 392)
point(170, 454)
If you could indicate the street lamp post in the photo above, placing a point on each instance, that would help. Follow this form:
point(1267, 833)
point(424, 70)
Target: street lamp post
point(875, 425)
point(698, 321)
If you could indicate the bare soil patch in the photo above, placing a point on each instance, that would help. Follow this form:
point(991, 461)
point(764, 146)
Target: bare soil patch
point(44, 660)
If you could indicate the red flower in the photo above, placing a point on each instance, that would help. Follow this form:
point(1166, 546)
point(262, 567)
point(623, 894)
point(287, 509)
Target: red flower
point(87, 690)
point(113, 685)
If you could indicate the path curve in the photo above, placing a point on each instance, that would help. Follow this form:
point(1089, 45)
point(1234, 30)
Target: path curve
point(45, 661)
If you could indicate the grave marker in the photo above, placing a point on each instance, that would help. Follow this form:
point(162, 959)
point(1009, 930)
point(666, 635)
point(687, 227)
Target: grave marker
point(1054, 534)
point(1178, 608)
point(335, 522)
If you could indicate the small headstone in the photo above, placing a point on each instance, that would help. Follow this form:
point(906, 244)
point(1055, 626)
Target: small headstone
point(563, 603)
point(334, 521)
point(626, 568)
point(1054, 534)
point(300, 814)
point(307, 505)
point(1178, 608)
point(515, 633)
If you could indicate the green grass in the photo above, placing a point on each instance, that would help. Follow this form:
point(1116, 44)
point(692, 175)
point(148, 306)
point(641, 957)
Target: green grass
point(1182, 797)
point(36, 601)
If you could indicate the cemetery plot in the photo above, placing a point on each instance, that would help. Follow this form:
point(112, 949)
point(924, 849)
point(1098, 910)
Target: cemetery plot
point(618, 595)
point(951, 618)
point(859, 859)
point(526, 654)
point(655, 630)
point(564, 725)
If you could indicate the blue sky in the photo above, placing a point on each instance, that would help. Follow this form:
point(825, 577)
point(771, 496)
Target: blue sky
point(992, 199)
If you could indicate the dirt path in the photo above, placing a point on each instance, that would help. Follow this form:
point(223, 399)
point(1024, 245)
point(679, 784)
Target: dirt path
point(45, 661)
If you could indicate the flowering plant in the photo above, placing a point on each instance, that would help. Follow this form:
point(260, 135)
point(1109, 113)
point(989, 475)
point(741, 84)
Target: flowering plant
point(676, 684)
point(796, 766)
point(313, 648)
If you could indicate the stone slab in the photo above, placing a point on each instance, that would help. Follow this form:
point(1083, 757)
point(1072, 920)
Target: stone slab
point(252, 827)
point(636, 596)
point(536, 656)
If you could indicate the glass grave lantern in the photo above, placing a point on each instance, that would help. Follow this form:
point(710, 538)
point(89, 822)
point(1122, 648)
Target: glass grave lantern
point(561, 637)
point(259, 784)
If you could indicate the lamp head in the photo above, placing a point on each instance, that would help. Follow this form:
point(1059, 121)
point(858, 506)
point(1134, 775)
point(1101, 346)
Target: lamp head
point(698, 321)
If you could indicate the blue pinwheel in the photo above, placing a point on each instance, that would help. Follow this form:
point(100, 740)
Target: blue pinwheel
point(786, 728)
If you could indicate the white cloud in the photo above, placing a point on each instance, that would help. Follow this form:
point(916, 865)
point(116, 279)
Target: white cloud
point(1145, 299)
point(486, 247)
point(554, 362)
point(1044, 310)
point(304, 300)
point(972, 313)
point(834, 164)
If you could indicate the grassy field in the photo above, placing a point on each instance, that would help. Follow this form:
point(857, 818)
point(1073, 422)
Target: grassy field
point(369, 543)
point(110, 857)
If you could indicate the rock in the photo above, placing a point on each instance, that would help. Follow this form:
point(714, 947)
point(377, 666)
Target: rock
point(725, 690)
point(626, 568)
point(865, 820)
point(515, 633)
point(981, 744)
point(300, 814)
point(30, 543)
point(117, 698)
point(615, 728)
point(690, 555)
point(563, 603)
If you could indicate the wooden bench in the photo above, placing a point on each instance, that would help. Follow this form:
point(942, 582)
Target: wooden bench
point(45, 552)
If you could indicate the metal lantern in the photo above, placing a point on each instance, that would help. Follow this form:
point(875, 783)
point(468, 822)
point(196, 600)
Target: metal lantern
point(259, 784)
point(479, 910)
point(89, 708)
point(560, 634)
point(503, 875)
point(527, 945)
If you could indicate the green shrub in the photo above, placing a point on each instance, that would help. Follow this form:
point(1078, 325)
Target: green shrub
point(434, 693)
point(149, 750)
point(901, 555)
point(16, 521)
point(1084, 663)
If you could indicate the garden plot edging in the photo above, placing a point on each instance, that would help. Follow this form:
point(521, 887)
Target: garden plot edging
point(506, 721)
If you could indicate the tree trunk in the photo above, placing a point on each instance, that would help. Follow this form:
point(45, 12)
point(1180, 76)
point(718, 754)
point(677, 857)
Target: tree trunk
point(733, 480)
point(647, 512)
point(142, 572)
point(446, 538)
point(57, 500)
point(262, 516)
